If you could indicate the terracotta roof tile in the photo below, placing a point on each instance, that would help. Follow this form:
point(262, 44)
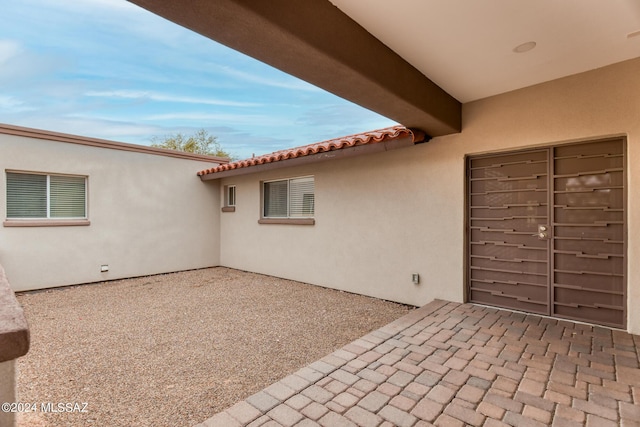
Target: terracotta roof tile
point(367, 138)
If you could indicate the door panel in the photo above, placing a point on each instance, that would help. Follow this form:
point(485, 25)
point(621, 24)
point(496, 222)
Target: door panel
point(588, 243)
point(508, 266)
point(576, 269)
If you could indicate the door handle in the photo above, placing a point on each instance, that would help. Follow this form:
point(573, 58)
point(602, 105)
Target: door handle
point(542, 232)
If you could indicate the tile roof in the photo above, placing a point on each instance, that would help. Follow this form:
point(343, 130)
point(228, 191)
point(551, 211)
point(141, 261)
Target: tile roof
point(367, 138)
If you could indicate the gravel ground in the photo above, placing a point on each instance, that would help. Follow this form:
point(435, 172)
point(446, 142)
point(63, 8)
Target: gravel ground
point(175, 349)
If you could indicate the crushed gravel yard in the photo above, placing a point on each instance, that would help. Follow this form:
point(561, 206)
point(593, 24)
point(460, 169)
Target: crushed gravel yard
point(175, 349)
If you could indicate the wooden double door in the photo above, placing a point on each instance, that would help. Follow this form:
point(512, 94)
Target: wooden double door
point(546, 231)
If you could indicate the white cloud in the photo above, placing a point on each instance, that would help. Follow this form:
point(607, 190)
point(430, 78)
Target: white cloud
point(110, 4)
point(90, 4)
point(12, 105)
point(253, 120)
point(153, 96)
point(8, 50)
point(122, 131)
point(291, 82)
point(328, 121)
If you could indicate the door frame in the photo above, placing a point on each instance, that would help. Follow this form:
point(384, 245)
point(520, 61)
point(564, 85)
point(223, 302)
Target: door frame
point(550, 169)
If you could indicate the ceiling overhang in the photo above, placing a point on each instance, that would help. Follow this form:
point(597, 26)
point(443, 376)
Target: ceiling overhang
point(316, 42)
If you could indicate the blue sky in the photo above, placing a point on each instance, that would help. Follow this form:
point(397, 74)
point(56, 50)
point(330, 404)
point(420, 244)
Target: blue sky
point(109, 69)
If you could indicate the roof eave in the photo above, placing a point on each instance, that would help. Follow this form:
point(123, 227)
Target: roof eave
point(358, 150)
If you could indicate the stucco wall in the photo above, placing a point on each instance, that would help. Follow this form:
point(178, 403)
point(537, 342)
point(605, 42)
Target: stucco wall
point(149, 214)
point(381, 217)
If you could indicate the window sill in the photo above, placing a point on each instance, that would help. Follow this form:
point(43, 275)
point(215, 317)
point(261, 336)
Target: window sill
point(291, 221)
point(45, 222)
point(229, 209)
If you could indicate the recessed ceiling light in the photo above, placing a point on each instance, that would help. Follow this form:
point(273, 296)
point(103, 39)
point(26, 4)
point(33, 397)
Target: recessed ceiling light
point(524, 47)
point(633, 34)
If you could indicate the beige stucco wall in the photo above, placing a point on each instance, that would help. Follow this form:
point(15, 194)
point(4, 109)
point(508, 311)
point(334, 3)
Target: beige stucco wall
point(149, 214)
point(381, 217)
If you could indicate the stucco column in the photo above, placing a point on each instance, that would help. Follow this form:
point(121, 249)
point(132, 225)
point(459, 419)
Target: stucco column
point(14, 342)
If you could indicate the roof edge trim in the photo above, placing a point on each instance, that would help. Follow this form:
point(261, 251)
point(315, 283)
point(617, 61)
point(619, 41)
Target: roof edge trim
point(103, 143)
point(370, 142)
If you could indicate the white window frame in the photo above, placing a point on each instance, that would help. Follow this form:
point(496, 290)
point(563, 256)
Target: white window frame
point(288, 216)
point(230, 196)
point(48, 219)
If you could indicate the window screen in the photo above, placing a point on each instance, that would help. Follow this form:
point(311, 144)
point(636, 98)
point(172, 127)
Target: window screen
point(289, 198)
point(67, 195)
point(26, 195)
point(275, 199)
point(301, 197)
point(45, 196)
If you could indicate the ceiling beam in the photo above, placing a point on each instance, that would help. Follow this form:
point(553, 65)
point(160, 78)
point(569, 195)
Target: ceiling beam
point(316, 42)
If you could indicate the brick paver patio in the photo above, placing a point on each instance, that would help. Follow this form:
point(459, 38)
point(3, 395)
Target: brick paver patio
point(450, 364)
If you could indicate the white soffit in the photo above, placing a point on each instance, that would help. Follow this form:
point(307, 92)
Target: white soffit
point(467, 46)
